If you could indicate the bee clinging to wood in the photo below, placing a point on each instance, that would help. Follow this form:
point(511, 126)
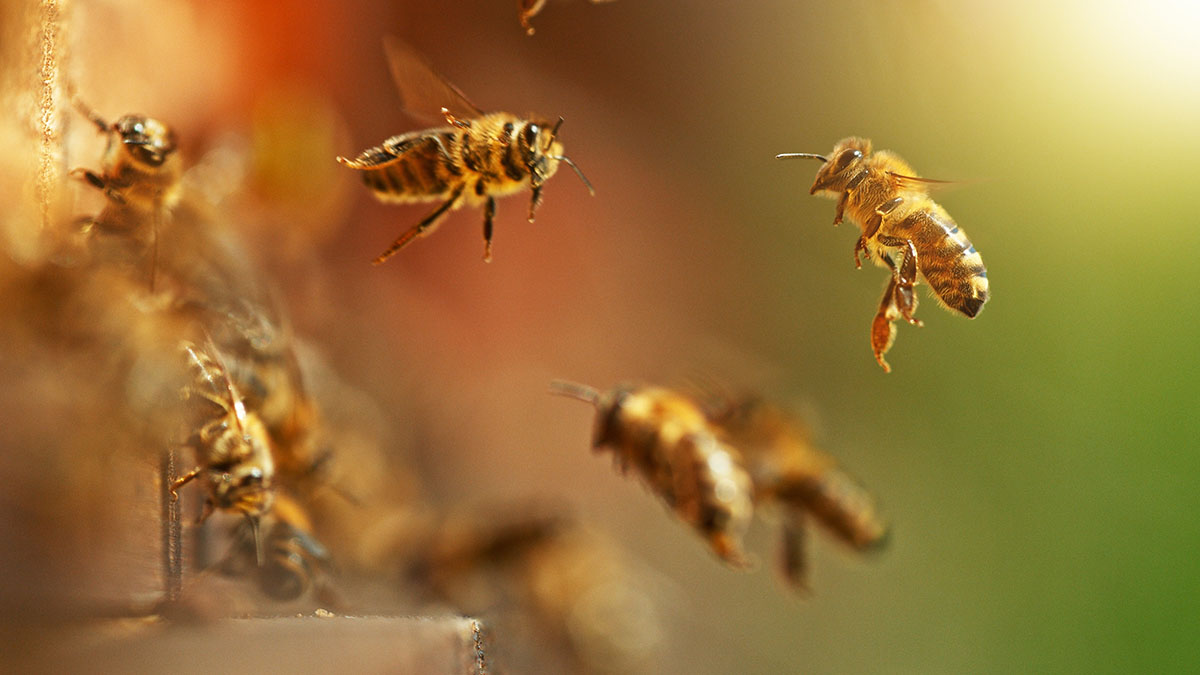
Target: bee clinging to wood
point(904, 230)
point(231, 444)
point(665, 437)
point(141, 177)
point(790, 471)
point(474, 159)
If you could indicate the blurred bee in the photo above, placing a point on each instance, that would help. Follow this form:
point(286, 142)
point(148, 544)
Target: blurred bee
point(902, 229)
point(789, 470)
point(295, 564)
point(141, 176)
point(667, 439)
point(230, 443)
point(527, 9)
point(475, 159)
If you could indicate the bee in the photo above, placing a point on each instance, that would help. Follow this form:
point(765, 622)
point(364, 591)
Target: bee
point(788, 470)
point(666, 438)
point(294, 562)
point(141, 177)
point(902, 229)
point(476, 158)
point(231, 445)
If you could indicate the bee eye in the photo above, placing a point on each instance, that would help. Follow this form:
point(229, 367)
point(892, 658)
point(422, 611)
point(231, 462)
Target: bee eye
point(846, 157)
point(530, 134)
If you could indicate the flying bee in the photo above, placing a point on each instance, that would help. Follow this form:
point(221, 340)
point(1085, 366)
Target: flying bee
point(789, 470)
point(666, 439)
point(476, 158)
point(902, 229)
point(141, 176)
point(231, 445)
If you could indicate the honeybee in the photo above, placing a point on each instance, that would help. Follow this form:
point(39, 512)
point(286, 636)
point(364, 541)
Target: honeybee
point(787, 469)
point(294, 562)
point(141, 176)
point(902, 229)
point(666, 438)
point(231, 445)
point(476, 158)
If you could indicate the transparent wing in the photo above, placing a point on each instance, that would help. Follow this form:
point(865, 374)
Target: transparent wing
point(925, 184)
point(423, 92)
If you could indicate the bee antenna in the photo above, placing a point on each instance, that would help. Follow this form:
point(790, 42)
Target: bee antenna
point(87, 112)
point(800, 155)
point(579, 173)
point(575, 390)
point(554, 132)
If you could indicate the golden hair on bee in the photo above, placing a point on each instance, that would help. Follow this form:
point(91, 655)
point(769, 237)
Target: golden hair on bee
point(666, 439)
point(231, 444)
point(474, 159)
point(790, 471)
point(903, 229)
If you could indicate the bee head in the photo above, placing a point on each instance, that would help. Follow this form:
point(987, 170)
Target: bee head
point(147, 142)
point(607, 404)
point(839, 167)
point(540, 148)
point(244, 488)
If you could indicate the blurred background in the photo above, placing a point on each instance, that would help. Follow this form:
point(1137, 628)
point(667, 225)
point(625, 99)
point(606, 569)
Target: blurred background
point(1038, 463)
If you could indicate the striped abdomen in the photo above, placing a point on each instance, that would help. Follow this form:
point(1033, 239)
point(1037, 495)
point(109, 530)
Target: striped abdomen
point(946, 260)
point(411, 167)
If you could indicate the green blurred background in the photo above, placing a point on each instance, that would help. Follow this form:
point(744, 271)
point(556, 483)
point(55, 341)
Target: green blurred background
point(1038, 463)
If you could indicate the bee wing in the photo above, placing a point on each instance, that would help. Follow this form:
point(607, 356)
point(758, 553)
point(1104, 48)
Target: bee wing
point(423, 92)
point(924, 184)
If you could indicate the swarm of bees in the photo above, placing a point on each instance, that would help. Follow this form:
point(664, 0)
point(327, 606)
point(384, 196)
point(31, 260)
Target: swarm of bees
point(904, 230)
point(478, 157)
point(263, 452)
point(713, 459)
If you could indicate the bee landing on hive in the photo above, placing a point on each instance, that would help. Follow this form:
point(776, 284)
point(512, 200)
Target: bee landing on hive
point(476, 158)
point(904, 230)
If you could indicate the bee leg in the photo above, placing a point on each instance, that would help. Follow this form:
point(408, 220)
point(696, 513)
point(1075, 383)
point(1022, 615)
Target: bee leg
point(792, 560)
point(905, 276)
point(860, 247)
point(97, 181)
point(424, 227)
point(489, 212)
point(183, 480)
point(534, 200)
point(841, 205)
point(883, 330)
point(454, 121)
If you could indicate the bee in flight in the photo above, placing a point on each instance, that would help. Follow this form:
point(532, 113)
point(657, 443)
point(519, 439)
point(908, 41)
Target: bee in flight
point(231, 445)
point(474, 159)
point(790, 471)
point(666, 438)
point(902, 229)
